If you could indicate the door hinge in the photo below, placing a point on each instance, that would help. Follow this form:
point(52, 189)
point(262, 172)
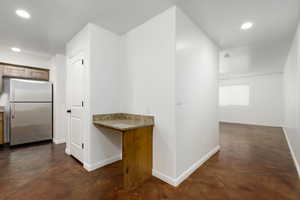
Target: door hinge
point(82, 145)
point(82, 103)
point(82, 62)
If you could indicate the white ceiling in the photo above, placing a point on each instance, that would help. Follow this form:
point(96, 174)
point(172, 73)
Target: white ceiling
point(221, 19)
point(254, 59)
point(54, 22)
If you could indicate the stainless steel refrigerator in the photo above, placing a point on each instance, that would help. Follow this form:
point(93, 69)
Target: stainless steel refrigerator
point(28, 111)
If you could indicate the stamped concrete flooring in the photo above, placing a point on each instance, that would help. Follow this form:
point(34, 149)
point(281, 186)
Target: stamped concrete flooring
point(254, 164)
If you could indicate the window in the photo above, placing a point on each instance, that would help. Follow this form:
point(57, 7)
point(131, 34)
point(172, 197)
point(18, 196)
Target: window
point(234, 95)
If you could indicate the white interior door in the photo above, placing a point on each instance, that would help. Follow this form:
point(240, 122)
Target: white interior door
point(76, 72)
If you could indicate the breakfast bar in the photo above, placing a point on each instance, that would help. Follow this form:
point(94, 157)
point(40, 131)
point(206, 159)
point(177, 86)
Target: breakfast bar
point(137, 134)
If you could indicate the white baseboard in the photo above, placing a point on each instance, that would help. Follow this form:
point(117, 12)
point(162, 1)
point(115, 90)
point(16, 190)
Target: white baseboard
point(196, 165)
point(91, 167)
point(59, 140)
point(67, 151)
point(292, 152)
point(176, 181)
point(163, 177)
point(250, 123)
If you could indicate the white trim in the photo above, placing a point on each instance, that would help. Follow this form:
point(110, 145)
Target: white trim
point(91, 167)
point(232, 76)
point(176, 181)
point(250, 123)
point(196, 165)
point(292, 152)
point(67, 151)
point(163, 177)
point(59, 140)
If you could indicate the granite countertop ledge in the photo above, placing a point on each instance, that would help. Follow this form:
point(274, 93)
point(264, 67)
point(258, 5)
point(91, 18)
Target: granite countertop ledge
point(123, 121)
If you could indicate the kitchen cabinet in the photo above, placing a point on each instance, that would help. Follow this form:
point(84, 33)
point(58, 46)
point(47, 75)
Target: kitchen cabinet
point(1, 78)
point(19, 71)
point(12, 71)
point(2, 127)
point(37, 74)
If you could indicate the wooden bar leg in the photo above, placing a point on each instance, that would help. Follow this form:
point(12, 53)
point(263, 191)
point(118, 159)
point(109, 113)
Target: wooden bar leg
point(137, 156)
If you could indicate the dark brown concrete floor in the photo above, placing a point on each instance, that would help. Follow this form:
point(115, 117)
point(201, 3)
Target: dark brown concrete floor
point(254, 164)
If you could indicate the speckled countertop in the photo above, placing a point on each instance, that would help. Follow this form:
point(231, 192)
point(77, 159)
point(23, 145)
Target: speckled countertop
point(123, 121)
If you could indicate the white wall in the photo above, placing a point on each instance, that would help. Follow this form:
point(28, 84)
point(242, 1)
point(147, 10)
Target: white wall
point(104, 94)
point(197, 61)
point(58, 76)
point(80, 43)
point(262, 58)
point(148, 83)
point(101, 50)
point(266, 101)
point(171, 71)
point(137, 74)
point(292, 99)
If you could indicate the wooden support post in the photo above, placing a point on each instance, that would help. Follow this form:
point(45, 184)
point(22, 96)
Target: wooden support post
point(137, 156)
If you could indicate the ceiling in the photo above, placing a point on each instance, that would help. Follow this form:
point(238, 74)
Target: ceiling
point(54, 22)
point(252, 60)
point(221, 19)
point(260, 50)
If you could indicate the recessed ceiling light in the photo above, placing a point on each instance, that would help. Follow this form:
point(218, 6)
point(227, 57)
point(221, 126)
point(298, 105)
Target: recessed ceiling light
point(15, 49)
point(23, 13)
point(247, 25)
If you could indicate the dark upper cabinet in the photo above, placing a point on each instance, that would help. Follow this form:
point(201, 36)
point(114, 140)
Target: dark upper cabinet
point(37, 74)
point(18, 71)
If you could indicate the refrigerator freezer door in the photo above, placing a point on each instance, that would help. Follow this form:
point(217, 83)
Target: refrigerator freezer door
point(30, 91)
point(30, 122)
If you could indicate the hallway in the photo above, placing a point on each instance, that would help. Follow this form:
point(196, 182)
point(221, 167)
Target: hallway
point(254, 163)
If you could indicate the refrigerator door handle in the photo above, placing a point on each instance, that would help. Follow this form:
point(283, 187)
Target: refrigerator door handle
point(12, 111)
point(12, 91)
